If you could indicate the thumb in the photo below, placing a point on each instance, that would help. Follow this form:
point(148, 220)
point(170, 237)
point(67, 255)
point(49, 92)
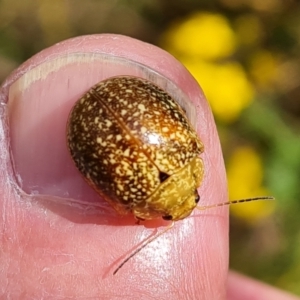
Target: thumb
point(59, 237)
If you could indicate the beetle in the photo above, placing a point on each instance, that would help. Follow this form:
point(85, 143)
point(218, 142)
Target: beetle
point(135, 146)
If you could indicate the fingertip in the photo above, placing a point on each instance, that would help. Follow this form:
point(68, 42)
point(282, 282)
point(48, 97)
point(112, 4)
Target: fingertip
point(38, 98)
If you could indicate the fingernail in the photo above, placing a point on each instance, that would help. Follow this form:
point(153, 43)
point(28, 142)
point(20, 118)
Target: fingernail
point(38, 106)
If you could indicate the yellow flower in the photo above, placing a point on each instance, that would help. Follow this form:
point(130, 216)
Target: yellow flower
point(225, 85)
point(245, 176)
point(204, 35)
point(199, 42)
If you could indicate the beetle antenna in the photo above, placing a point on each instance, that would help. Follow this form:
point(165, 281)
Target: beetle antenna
point(145, 243)
point(151, 239)
point(235, 202)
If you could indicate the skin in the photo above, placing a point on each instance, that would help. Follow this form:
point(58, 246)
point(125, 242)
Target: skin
point(53, 249)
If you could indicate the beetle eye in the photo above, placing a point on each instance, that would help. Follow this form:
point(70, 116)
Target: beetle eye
point(197, 197)
point(167, 217)
point(163, 176)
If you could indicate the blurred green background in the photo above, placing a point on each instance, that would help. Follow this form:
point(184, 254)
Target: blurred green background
point(246, 56)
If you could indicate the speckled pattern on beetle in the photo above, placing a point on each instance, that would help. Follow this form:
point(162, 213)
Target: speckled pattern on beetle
point(135, 146)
